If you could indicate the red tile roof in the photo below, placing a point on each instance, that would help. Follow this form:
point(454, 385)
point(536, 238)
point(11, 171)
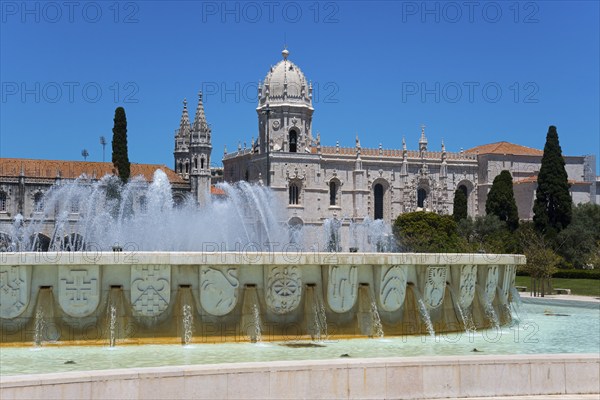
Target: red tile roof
point(216, 191)
point(12, 167)
point(505, 148)
point(533, 179)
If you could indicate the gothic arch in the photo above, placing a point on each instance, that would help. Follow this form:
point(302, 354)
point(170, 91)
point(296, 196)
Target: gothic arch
point(335, 192)
point(294, 192)
point(470, 192)
point(380, 192)
point(293, 139)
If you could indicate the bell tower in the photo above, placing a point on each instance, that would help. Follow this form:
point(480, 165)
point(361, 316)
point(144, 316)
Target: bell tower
point(193, 150)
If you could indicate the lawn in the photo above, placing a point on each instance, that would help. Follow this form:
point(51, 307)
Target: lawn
point(583, 287)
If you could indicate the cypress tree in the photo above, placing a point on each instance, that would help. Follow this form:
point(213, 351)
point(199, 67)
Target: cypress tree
point(120, 158)
point(501, 201)
point(460, 205)
point(552, 207)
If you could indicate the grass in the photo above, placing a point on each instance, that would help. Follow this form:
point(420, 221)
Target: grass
point(582, 287)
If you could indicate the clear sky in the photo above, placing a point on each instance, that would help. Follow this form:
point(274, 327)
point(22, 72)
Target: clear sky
point(472, 72)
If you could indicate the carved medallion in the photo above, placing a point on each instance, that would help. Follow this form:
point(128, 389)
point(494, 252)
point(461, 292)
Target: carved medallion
point(284, 289)
point(79, 289)
point(491, 282)
point(218, 289)
point(275, 125)
point(14, 290)
point(468, 279)
point(392, 287)
point(342, 287)
point(435, 286)
point(150, 289)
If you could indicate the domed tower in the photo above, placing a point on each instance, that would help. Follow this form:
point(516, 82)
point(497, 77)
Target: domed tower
point(284, 109)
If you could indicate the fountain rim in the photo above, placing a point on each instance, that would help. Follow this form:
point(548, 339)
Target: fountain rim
point(255, 258)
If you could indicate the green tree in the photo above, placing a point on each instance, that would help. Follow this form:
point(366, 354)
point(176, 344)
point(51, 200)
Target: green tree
point(120, 158)
point(552, 207)
point(460, 205)
point(501, 201)
point(428, 232)
point(542, 261)
point(488, 234)
point(578, 243)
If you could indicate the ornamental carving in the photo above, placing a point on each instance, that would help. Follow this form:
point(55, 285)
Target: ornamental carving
point(435, 286)
point(79, 289)
point(491, 282)
point(14, 290)
point(218, 289)
point(508, 276)
point(284, 289)
point(392, 287)
point(342, 287)
point(468, 280)
point(150, 289)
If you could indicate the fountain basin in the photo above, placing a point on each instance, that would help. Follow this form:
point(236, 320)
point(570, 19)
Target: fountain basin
point(158, 297)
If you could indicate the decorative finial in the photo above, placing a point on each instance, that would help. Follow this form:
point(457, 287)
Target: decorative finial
point(200, 95)
point(184, 103)
point(285, 53)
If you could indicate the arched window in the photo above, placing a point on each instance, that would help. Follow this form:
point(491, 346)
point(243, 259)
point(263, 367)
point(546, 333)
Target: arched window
point(463, 188)
point(38, 202)
point(143, 204)
point(378, 194)
point(195, 163)
point(75, 205)
point(202, 163)
point(293, 141)
point(294, 194)
point(187, 167)
point(421, 196)
point(2, 201)
point(333, 189)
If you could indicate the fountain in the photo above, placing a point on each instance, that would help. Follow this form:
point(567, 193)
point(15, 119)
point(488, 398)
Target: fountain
point(118, 274)
point(132, 267)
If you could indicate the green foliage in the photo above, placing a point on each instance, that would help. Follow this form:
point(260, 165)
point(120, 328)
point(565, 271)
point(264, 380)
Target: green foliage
point(428, 232)
point(120, 158)
point(552, 207)
point(460, 205)
point(542, 261)
point(488, 234)
point(593, 274)
point(578, 244)
point(501, 201)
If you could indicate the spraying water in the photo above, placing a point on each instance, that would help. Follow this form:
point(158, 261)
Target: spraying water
point(139, 216)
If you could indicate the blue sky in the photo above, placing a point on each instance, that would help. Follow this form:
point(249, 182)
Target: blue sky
point(473, 73)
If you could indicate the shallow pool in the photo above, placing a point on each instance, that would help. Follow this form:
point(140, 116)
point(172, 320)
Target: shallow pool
point(539, 328)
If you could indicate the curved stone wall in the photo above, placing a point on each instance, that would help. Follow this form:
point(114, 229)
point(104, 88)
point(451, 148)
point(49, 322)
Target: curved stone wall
point(144, 297)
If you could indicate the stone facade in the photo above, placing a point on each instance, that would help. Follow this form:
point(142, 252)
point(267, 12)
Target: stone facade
point(320, 182)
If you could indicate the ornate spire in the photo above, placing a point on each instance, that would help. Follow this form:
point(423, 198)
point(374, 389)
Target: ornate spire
point(423, 140)
point(285, 53)
point(184, 124)
point(403, 143)
point(200, 124)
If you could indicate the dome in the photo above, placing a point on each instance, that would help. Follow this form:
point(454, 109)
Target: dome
point(285, 84)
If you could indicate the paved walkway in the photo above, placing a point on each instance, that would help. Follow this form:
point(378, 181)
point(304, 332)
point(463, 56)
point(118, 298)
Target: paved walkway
point(567, 297)
point(537, 397)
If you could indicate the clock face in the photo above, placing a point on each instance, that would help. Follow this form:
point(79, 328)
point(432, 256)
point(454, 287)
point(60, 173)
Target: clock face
point(275, 125)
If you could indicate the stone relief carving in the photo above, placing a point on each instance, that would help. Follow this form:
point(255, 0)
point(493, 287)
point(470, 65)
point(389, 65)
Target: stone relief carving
point(392, 288)
point(150, 289)
point(14, 290)
point(218, 289)
point(342, 287)
point(284, 289)
point(79, 289)
point(435, 286)
point(490, 283)
point(468, 279)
